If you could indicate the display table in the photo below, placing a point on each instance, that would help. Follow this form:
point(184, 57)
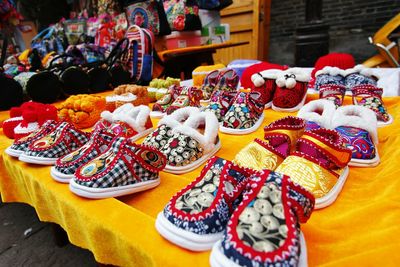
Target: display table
point(362, 228)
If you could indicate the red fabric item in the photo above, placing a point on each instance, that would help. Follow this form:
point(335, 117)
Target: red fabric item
point(267, 90)
point(289, 98)
point(9, 126)
point(341, 60)
point(15, 112)
point(246, 82)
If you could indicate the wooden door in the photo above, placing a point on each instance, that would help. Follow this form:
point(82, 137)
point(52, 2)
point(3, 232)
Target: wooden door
point(249, 21)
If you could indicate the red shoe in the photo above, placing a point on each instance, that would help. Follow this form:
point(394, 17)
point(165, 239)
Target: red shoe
point(265, 83)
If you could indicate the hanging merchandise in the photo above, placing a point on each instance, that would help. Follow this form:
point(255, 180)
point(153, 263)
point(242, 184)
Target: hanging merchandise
point(149, 15)
point(182, 15)
point(140, 54)
point(214, 4)
point(74, 29)
point(48, 40)
point(107, 7)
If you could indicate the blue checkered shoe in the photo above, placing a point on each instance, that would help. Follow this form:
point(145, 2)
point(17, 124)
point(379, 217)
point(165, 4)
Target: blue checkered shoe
point(21, 145)
point(57, 143)
point(66, 166)
point(124, 168)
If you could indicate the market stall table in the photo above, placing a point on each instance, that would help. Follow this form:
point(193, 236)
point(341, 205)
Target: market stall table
point(362, 228)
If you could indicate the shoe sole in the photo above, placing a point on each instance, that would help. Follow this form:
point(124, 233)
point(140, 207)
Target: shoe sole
point(157, 114)
point(193, 165)
point(218, 258)
point(37, 160)
point(185, 239)
point(367, 163)
point(329, 198)
point(59, 176)
point(243, 131)
point(294, 109)
point(99, 193)
point(383, 124)
point(13, 153)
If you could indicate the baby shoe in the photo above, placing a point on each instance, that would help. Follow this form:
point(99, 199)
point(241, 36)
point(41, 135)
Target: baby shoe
point(124, 168)
point(319, 164)
point(160, 107)
point(280, 139)
point(192, 143)
point(189, 97)
point(264, 230)
point(228, 80)
point(317, 113)
point(21, 145)
point(245, 114)
point(210, 81)
point(265, 83)
point(329, 75)
point(291, 90)
point(60, 141)
point(370, 97)
point(66, 166)
point(357, 126)
point(196, 216)
point(160, 136)
point(333, 92)
point(220, 102)
point(360, 75)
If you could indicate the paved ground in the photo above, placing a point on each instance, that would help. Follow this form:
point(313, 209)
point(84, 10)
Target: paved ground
point(25, 241)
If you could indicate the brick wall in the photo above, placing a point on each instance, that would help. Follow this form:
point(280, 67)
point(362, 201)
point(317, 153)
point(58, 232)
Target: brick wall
point(351, 23)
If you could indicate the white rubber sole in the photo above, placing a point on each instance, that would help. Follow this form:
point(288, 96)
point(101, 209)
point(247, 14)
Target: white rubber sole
point(185, 239)
point(98, 193)
point(329, 198)
point(59, 176)
point(37, 160)
point(141, 134)
point(218, 258)
point(242, 131)
point(157, 114)
point(294, 109)
point(367, 163)
point(193, 165)
point(13, 152)
point(383, 124)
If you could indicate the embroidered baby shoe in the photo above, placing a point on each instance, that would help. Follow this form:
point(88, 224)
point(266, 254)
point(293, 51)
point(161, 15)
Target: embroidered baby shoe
point(329, 75)
point(21, 145)
point(357, 126)
point(291, 90)
point(210, 81)
point(160, 107)
point(333, 92)
point(160, 136)
point(264, 229)
point(124, 168)
point(317, 113)
point(280, 139)
point(265, 83)
point(192, 143)
point(189, 97)
point(370, 97)
point(66, 166)
point(60, 141)
point(245, 114)
point(220, 102)
point(319, 164)
point(360, 75)
point(196, 217)
point(228, 80)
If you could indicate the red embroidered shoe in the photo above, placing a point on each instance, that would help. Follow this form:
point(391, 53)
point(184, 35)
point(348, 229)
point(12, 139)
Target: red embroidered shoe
point(264, 229)
point(189, 97)
point(160, 107)
point(228, 80)
point(291, 91)
point(333, 92)
point(265, 83)
point(220, 103)
point(210, 81)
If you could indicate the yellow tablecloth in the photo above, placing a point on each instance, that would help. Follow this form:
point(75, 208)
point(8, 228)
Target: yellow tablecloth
point(362, 228)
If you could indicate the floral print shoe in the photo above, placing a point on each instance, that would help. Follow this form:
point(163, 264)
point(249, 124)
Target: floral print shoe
point(329, 75)
point(196, 217)
point(360, 75)
point(192, 143)
point(371, 97)
point(124, 168)
point(160, 136)
point(264, 230)
point(210, 81)
point(220, 102)
point(357, 126)
point(317, 113)
point(291, 90)
point(319, 164)
point(66, 166)
point(21, 145)
point(189, 97)
point(228, 80)
point(160, 107)
point(332, 92)
point(62, 140)
point(245, 114)
point(280, 136)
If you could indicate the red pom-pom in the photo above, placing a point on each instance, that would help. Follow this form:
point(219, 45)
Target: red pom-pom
point(15, 112)
point(29, 116)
